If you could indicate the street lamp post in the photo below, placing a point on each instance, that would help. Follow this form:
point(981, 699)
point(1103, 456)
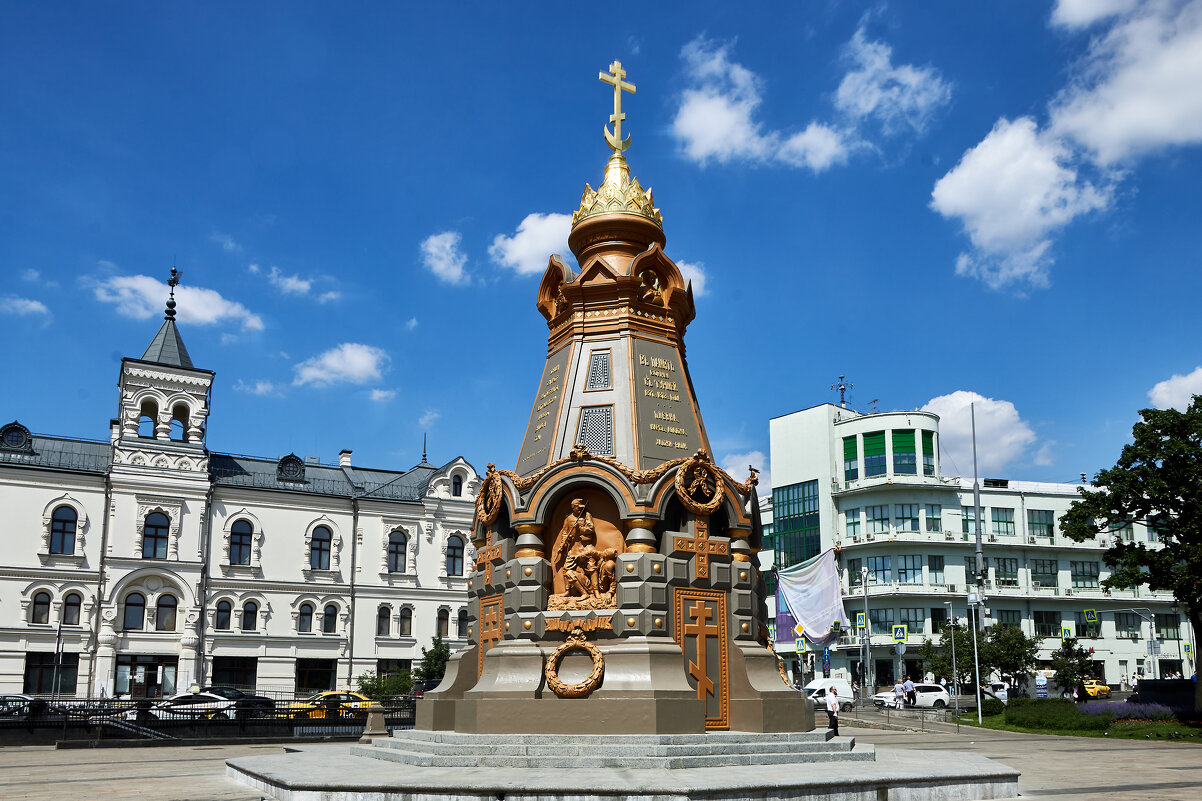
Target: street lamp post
point(867, 637)
point(973, 600)
point(955, 696)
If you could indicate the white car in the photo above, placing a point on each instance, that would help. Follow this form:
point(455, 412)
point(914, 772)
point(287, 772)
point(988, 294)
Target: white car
point(926, 696)
point(185, 706)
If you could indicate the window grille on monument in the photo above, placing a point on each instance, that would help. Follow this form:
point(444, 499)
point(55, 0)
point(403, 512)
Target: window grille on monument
point(598, 371)
point(597, 429)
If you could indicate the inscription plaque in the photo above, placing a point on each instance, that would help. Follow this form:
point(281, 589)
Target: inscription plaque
point(663, 403)
point(544, 418)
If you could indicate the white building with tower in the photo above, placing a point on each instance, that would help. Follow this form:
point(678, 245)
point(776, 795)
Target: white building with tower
point(144, 563)
point(872, 487)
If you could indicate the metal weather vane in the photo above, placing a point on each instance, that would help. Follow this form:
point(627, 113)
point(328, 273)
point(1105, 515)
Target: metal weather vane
point(614, 77)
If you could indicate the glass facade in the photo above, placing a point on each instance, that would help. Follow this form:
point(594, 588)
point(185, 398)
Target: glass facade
point(909, 569)
point(881, 620)
point(795, 520)
point(1047, 624)
point(852, 517)
point(878, 519)
point(934, 517)
point(1085, 574)
point(878, 569)
point(907, 517)
point(1084, 629)
point(851, 463)
point(1040, 522)
point(935, 569)
point(928, 453)
point(1003, 521)
point(1006, 571)
point(914, 618)
point(905, 462)
point(1045, 571)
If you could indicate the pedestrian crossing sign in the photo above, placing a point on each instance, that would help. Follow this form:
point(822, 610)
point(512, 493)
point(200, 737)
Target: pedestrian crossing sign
point(859, 620)
point(1091, 615)
point(1066, 633)
point(899, 633)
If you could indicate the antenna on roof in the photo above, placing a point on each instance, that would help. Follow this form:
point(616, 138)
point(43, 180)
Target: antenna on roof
point(872, 405)
point(842, 386)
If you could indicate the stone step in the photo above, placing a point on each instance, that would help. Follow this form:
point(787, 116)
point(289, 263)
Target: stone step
point(862, 753)
point(504, 748)
point(713, 739)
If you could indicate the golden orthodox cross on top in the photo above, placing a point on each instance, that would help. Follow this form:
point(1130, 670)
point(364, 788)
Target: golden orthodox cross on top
point(614, 77)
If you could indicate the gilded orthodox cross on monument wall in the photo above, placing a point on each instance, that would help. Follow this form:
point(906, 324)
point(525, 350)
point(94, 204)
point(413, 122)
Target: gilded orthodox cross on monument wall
point(701, 633)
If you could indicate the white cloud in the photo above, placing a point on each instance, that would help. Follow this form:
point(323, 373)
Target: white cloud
point(327, 297)
point(1136, 90)
point(442, 256)
point(716, 117)
point(1177, 392)
point(252, 268)
point(428, 419)
point(1010, 192)
point(226, 241)
point(257, 387)
point(350, 363)
point(695, 273)
point(1002, 435)
point(1083, 13)
point(411, 324)
point(141, 297)
point(1043, 456)
point(537, 237)
point(896, 95)
point(383, 395)
point(736, 464)
point(30, 275)
point(288, 284)
point(11, 304)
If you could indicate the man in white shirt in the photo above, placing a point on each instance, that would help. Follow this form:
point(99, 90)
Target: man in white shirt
point(832, 710)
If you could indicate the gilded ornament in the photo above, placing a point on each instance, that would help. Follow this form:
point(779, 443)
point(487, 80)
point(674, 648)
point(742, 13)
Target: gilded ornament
point(527, 571)
point(587, 571)
point(698, 484)
point(630, 568)
point(576, 642)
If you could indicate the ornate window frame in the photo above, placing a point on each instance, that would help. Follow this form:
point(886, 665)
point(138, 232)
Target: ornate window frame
point(392, 621)
point(411, 532)
point(400, 613)
point(315, 623)
point(256, 543)
point(335, 548)
point(81, 527)
point(173, 508)
point(232, 600)
point(341, 618)
point(469, 555)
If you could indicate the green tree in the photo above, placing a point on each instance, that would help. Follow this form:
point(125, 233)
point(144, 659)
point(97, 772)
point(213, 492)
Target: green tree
point(1011, 653)
point(1072, 663)
point(434, 662)
point(379, 687)
point(1157, 480)
point(938, 658)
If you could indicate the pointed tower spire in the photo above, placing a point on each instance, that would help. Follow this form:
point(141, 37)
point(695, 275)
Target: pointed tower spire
point(167, 347)
point(423, 446)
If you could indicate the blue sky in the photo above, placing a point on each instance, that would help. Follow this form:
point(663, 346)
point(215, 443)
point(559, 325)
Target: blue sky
point(940, 201)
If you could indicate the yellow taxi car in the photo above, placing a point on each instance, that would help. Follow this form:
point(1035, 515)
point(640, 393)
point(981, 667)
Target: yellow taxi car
point(331, 704)
point(1096, 689)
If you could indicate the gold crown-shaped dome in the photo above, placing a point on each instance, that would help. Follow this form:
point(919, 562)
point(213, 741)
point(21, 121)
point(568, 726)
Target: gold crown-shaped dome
point(617, 194)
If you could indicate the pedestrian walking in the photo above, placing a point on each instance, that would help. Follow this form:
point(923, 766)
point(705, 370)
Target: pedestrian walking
point(899, 695)
point(832, 710)
point(908, 686)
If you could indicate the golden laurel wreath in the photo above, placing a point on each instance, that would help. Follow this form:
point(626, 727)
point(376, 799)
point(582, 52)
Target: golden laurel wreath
point(699, 474)
point(575, 642)
point(488, 501)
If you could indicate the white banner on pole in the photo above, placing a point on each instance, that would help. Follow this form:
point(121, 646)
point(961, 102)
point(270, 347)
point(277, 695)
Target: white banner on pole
point(814, 595)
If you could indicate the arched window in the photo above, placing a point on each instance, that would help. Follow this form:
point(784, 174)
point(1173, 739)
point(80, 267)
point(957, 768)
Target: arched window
point(383, 616)
point(62, 530)
point(304, 618)
point(319, 549)
point(240, 534)
point(164, 613)
point(444, 623)
point(41, 608)
point(454, 556)
point(179, 423)
point(135, 612)
point(250, 616)
point(71, 607)
point(154, 537)
point(405, 628)
point(329, 620)
point(461, 631)
point(396, 551)
point(225, 611)
point(457, 486)
point(147, 416)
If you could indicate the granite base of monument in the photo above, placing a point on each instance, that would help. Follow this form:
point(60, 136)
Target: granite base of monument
point(441, 766)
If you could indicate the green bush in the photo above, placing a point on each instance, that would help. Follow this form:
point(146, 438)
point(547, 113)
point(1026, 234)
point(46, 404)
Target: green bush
point(1054, 714)
point(378, 687)
point(991, 707)
point(1017, 702)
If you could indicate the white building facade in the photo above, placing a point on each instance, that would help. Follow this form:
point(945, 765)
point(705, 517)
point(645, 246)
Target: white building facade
point(872, 487)
point(144, 564)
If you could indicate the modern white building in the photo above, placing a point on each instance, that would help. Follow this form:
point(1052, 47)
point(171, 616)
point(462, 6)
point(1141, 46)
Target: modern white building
point(872, 487)
point(145, 563)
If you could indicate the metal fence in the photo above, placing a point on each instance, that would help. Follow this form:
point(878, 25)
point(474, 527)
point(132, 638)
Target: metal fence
point(43, 722)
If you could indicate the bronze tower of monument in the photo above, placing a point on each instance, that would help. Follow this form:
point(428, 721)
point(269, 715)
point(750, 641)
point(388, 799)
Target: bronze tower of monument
point(616, 587)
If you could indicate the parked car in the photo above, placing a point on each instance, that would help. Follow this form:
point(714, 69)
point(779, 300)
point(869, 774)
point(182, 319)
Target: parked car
point(926, 696)
point(816, 692)
point(1097, 689)
point(331, 703)
point(244, 703)
point(17, 706)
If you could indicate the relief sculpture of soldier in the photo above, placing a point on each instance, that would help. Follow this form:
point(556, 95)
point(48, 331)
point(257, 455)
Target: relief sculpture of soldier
point(587, 572)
